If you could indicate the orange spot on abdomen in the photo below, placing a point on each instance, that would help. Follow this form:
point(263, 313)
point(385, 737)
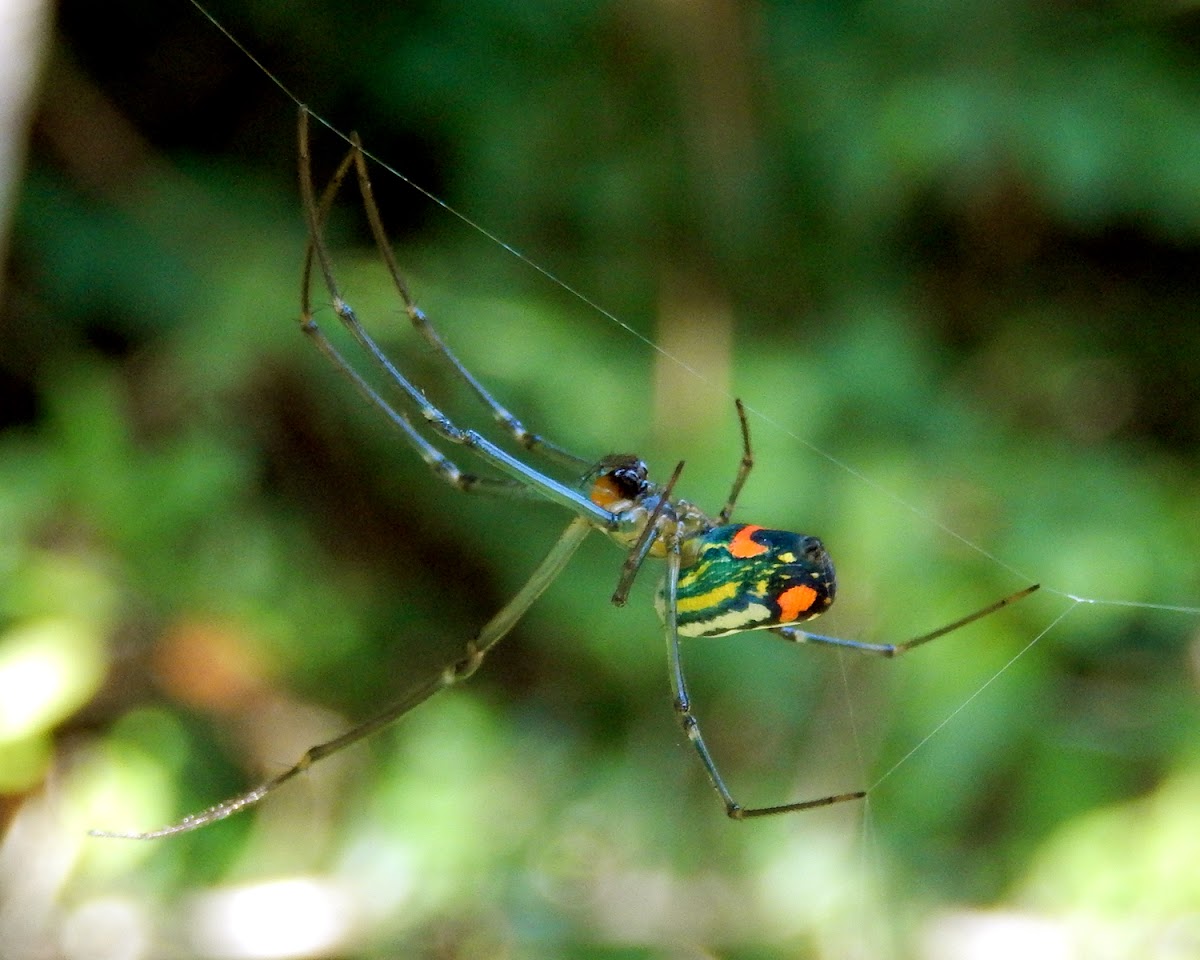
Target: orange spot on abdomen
point(795, 601)
point(742, 546)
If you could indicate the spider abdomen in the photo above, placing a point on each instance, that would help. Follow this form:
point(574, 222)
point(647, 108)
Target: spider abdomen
point(744, 577)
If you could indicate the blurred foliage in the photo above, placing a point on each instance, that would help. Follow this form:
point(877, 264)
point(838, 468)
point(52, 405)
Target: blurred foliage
point(948, 253)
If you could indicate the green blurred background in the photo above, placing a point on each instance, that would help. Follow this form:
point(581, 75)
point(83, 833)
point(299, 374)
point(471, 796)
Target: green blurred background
point(947, 252)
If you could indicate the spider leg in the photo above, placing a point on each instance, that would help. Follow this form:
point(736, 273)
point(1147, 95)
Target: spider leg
point(744, 468)
point(691, 726)
point(480, 645)
point(522, 437)
point(441, 465)
point(524, 476)
point(645, 542)
point(797, 635)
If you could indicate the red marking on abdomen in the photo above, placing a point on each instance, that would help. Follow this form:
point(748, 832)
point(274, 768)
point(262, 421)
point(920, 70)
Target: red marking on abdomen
point(795, 601)
point(741, 546)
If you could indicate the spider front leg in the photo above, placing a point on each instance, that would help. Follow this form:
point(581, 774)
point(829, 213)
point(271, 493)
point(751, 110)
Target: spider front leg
point(316, 213)
point(521, 479)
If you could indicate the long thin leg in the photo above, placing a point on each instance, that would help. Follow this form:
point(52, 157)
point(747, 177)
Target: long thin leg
point(522, 437)
point(542, 485)
point(744, 468)
point(797, 635)
point(641, 549)
point(442, 466)
point(489, 635)
point(691, 726)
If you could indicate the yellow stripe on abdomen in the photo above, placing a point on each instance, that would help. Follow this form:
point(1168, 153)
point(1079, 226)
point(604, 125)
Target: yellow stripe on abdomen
point(707, 601)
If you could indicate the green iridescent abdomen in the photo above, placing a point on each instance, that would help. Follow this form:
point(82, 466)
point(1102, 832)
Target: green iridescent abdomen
point(745, 577)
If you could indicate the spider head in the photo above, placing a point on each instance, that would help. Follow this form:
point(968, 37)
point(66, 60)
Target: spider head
point(741, 577)
point(618, 481)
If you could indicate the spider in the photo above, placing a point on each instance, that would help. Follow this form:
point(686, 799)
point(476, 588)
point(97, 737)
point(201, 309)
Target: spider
point(721, 577)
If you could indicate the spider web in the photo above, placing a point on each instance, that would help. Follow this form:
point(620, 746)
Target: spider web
point(1072, 603)
point(1058, 604)
point(761, 416)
